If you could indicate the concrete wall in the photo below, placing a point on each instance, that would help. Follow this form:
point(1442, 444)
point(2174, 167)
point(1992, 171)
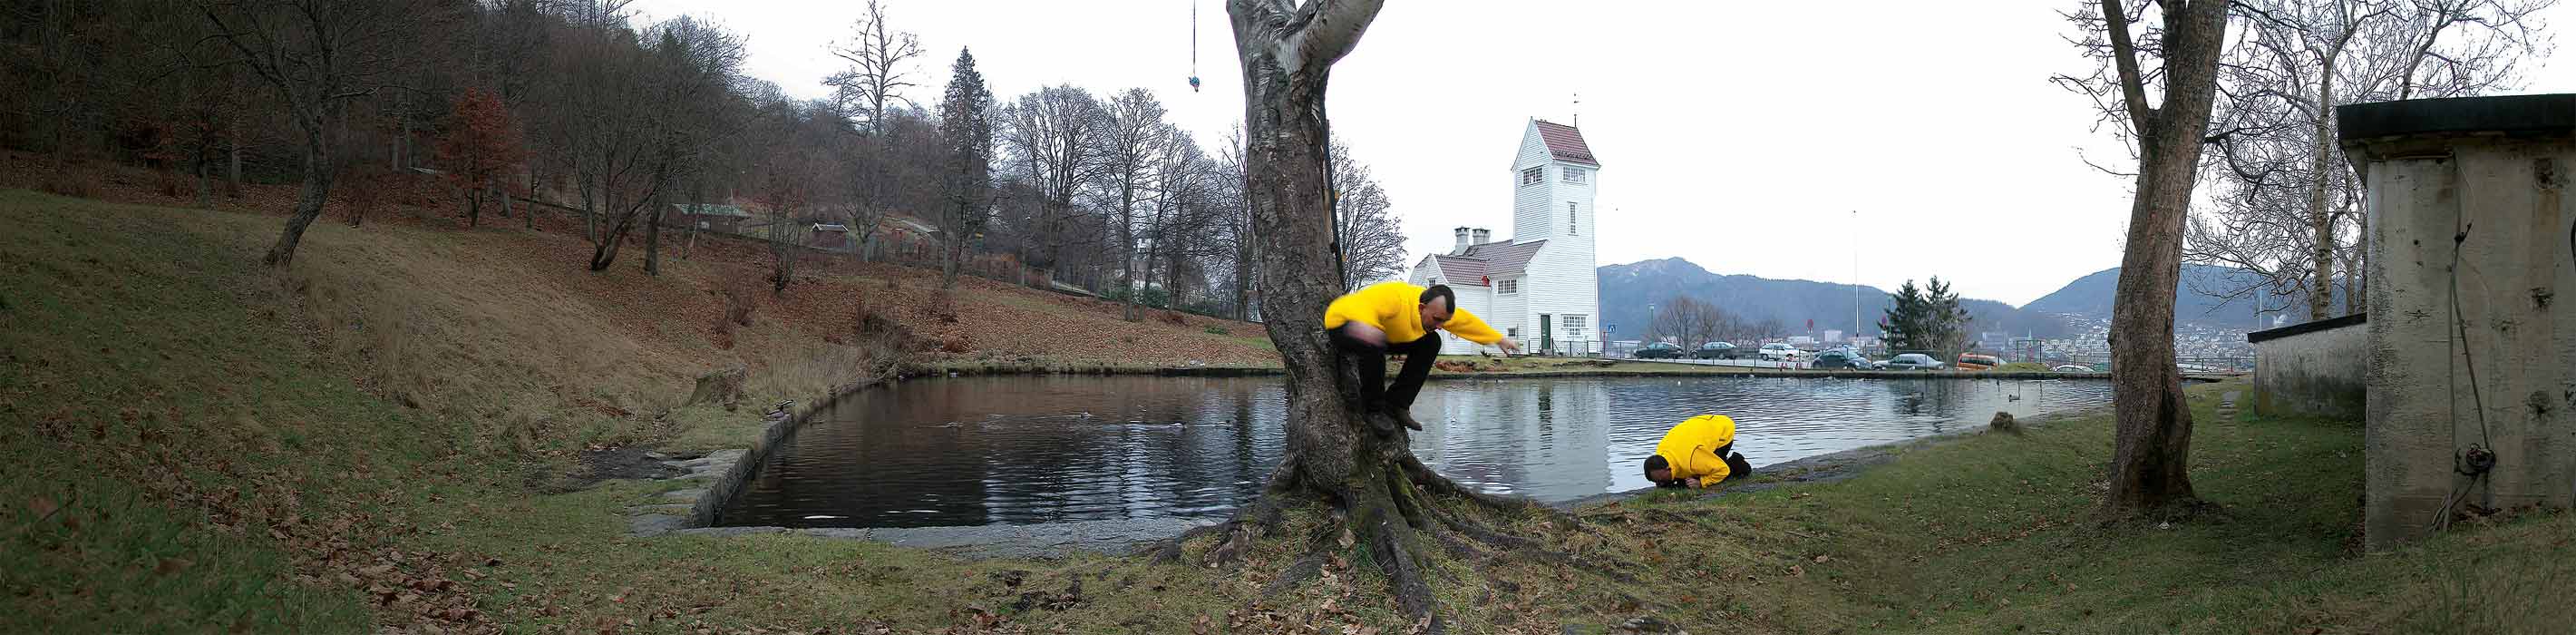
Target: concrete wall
point(2499, 191)
point(2313, 372)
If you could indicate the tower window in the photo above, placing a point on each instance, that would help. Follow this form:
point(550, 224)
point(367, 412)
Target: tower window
point(1533, 175)
point(1507, 287)
point(1573, 223)
point(1575, 175)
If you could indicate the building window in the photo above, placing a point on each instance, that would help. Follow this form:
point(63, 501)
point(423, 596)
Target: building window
point(1533, 175)
point(1435, 282)
point(1575, 175)
point(1512, 332)
point(1507, 287)
point(1574, 326)
point(1573, 224)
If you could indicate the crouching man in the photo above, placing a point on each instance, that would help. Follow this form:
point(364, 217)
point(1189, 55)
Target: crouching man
point(1698, 452)
point(1398, 318)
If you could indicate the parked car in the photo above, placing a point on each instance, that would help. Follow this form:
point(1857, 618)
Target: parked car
point(1973, 361)
point(1715, 350)
point(1660, 350)
point(1910, 361)
point(1840, 359)
point(1781, 351)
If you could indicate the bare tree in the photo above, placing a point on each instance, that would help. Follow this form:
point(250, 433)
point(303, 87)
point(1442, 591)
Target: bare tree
point(1049, 133)
point(2288, 208)
point(1130, 137)
point(966, 176)
point(1370, 238)
point(877, 75)
point(315, 54)
point(2178, 62)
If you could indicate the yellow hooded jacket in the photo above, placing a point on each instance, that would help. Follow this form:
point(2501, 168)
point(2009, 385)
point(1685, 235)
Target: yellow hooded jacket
point(1691, 448)
point(1396, 308)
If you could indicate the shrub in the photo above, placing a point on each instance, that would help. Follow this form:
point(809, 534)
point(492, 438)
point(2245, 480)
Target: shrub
point(1173, 318)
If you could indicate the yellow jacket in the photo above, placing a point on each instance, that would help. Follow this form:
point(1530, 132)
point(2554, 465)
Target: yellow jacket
point(1691, 448)
point(1396, 308)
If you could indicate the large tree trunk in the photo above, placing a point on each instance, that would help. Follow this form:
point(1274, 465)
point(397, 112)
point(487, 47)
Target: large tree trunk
point(653, 238)
point(2320, 224)
point(1358, 463)
point(2152, 453)
point(317, 189)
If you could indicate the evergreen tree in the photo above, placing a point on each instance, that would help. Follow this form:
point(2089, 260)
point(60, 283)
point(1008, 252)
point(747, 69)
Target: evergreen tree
point(966, 123)
point(1926, 320)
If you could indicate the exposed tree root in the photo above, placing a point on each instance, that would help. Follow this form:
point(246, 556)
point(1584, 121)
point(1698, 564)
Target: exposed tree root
point(1511, 545)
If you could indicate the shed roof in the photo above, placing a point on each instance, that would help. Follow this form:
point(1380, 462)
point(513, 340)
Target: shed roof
point(709, 209)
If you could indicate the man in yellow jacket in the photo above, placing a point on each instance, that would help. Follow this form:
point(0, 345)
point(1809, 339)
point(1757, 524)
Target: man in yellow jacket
point(1398, 318)
point(1698, 452)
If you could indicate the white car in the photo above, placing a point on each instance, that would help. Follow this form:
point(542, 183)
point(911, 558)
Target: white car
point(1910, 361)
point(1780, 351)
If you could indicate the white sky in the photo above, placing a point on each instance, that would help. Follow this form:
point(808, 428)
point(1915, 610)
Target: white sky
point(1740, 136)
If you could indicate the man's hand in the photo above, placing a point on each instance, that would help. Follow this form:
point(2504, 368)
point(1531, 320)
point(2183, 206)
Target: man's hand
point(1509, 347)
point(1692, 481)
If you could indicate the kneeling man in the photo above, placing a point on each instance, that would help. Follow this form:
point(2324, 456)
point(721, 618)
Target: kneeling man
point(1698, 452)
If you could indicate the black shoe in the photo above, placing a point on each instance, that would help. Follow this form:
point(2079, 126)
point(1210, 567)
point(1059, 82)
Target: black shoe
point(1402, 416)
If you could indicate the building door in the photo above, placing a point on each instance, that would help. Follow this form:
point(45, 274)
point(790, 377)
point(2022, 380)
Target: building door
point(1546, 336)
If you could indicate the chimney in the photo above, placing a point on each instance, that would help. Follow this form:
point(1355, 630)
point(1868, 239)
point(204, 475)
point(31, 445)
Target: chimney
point(1462, 242)
point(1484, 236)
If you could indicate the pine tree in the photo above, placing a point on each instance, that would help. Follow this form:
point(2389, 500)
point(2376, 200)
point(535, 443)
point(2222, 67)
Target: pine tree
point(1903, 323)
point(966, 123)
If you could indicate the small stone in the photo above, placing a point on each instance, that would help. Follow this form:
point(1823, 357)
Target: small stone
point(654, 524)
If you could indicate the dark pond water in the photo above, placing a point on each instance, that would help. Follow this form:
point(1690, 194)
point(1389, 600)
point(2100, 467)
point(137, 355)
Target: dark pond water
point(1037, 449)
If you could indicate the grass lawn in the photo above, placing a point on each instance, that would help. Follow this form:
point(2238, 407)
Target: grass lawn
point(197, 451)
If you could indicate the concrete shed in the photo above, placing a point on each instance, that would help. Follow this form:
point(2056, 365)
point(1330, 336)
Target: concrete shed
point(2472, 400)
point(2315, 369)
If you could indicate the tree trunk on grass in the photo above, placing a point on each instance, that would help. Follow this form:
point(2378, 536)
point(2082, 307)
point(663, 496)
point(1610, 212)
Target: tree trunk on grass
point(317, 190)
point(653, 240)
point(2152, 453)
point(1359, 464)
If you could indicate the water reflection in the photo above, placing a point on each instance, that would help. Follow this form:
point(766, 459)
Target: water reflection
point(1031, 449)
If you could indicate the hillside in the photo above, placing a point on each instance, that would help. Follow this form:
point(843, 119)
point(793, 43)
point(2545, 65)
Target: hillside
point(2198, 299)
point(1627, 289)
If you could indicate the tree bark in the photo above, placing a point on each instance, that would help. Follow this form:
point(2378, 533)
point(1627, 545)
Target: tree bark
point(317, 189)
point(2321, 225)
point(653, 239)
point(2152, 452)
point(1359, 463)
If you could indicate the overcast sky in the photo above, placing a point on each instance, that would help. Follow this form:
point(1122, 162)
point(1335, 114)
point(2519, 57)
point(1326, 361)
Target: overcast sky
point(1740, 136)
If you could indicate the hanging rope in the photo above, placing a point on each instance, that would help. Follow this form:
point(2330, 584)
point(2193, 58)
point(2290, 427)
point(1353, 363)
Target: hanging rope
point(1194, 46)
point(2480, 458)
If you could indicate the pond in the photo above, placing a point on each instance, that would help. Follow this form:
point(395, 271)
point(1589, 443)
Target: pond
point(1013, 450)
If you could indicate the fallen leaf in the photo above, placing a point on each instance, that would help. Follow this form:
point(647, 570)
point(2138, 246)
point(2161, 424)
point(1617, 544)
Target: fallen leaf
point(170, 565)
point(1821, 559)
point(41, 506)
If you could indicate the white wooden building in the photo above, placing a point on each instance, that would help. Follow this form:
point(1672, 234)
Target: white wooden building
point(1540, 287)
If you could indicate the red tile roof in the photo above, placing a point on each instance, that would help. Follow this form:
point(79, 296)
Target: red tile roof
point(1566, 143)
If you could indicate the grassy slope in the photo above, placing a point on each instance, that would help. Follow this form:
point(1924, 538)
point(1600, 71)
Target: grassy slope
point(218, 450)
